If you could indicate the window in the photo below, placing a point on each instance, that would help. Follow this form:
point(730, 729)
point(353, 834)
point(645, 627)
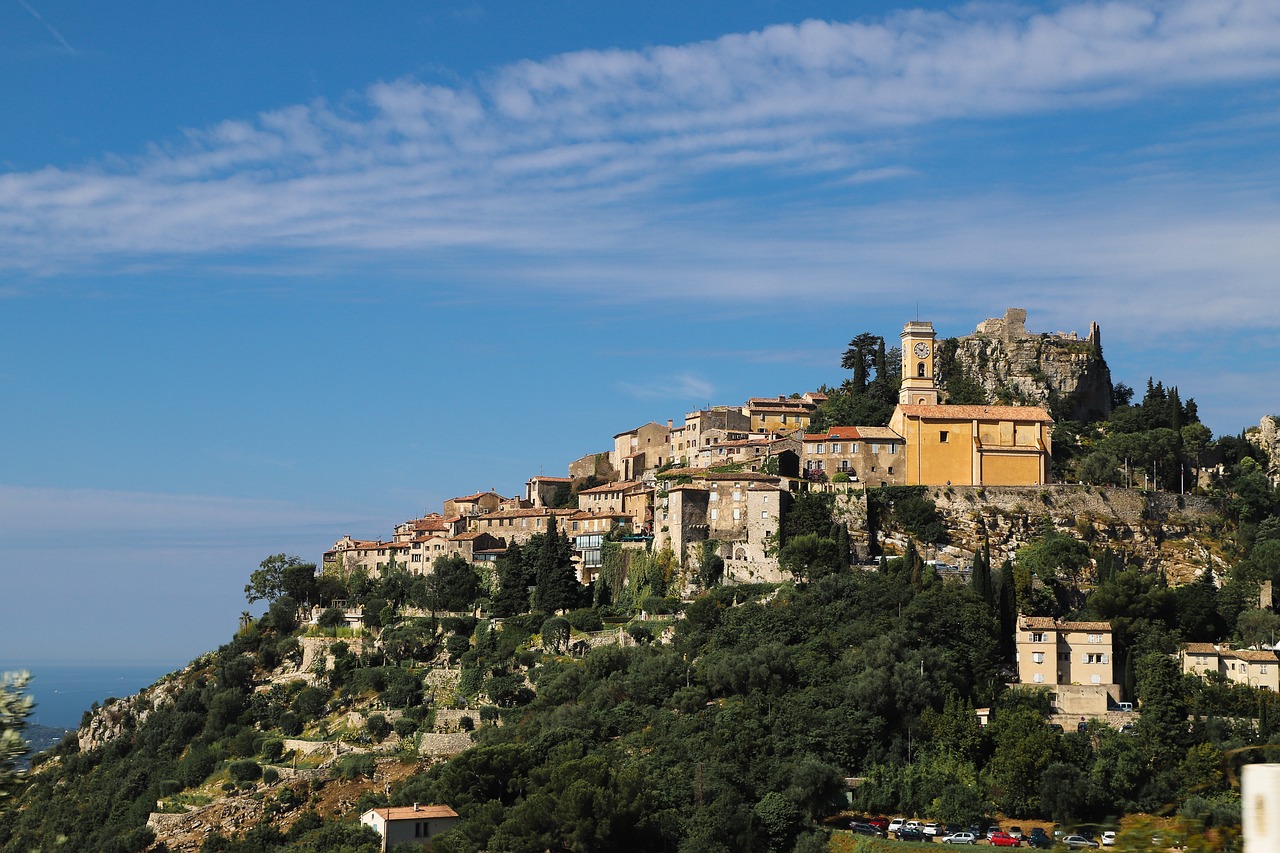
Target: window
point(942, 437)
point(818, 448)
point(737, 514)
point(715, 496)
point(764, 513)
point(893, 449)
point(1096, 679)
point(1095, 638)
point(715, 513)
point(1038, 678)
point(835, 448)
point(1038, 657)
point(737, 496)
point(415, 558)
point(1093, 658)
point(920, 370)
point(1262, 668)
point(875, 448)
point(1037, 638)
point(853, 448)
point(890, 469)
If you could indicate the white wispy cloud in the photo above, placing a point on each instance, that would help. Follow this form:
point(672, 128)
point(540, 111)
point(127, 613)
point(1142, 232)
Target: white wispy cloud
point(684, 386)
point(574, 172)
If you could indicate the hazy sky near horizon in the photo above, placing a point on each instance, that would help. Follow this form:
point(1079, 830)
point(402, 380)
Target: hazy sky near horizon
point(275, 273)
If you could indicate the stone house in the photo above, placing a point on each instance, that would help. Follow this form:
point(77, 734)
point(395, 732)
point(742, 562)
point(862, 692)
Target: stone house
point(1254, 667)
point(871, 456)
point(477, 504)
point(518, 525)
point(685, 440)
point(540, 491)
point(778, 414)
point(414, 824)
point(641, 449)
point(740, 510)
point(1075, 659)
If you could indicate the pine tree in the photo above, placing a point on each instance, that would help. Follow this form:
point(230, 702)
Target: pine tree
point(555, 587)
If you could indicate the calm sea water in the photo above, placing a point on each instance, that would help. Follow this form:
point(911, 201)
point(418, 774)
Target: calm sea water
point(63, 692)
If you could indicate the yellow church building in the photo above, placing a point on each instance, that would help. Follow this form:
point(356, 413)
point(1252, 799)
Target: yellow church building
point(964, 445)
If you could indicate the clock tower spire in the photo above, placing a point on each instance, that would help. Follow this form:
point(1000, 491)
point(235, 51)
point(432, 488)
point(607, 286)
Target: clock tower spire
point(919, 387)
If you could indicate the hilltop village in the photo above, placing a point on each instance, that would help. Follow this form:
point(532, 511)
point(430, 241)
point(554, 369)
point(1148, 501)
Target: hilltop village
point(739, 632)
point(728, 474)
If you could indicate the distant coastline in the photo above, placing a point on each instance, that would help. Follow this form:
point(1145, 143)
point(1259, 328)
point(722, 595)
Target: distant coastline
point(63, 691)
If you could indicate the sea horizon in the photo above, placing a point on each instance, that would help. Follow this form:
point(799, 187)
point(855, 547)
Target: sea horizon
point(63, 690)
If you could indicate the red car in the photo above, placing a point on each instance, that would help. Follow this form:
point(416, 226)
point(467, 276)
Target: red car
point(880, 823)
point(1004, 839)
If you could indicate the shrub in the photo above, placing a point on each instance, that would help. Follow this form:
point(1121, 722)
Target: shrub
point(356, 766)
point(270, 775)
point(586, 619)
point(378, 727)
point(405, 727)
point(467, 724)
point(272, 749)
point(244, 771)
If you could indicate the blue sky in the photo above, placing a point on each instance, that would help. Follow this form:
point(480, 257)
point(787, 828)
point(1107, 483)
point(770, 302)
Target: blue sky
point(275, 273)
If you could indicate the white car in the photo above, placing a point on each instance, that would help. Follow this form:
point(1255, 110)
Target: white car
point(896, 824)
point(960, 838)
point(931, 829)
point(1109, 838)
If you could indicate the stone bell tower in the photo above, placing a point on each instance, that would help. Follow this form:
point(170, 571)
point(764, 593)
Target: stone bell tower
point(919, 350)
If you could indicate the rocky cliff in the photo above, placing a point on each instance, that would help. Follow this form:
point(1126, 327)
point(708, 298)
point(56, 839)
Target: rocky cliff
point(1062, 371)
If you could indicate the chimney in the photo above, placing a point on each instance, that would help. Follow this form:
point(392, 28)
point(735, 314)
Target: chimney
point(415, 807)
point(670, 422)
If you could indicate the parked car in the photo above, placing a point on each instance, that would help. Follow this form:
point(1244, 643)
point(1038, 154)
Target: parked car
point(858, 828)
point(932, 829)
point(913, 833)
point(1015, 831)
point(992, 830)
point(1109, 838)
point(896, 824)
point(880, 823)
point(960, 838)
point(1038, 839)
point(1078, 841)
point(1004, 839)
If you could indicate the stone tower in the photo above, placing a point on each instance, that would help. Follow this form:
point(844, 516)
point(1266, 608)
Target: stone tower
point(918, 352)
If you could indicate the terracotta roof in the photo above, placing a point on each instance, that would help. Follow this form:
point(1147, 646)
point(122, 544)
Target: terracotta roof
point(583, 513)
point(477, 496)
point(741, 475)
point(552, 479)
point(878, 434)
point(978, 413)
point(611, 487)
point(1202, 649)
point(780, 410)
point(469, 536)
point(642, 426)
point(529, 512)
point(414, 813)
point(1250, 654)
point(847, 432)
point(687, 487)
point(1048, 623)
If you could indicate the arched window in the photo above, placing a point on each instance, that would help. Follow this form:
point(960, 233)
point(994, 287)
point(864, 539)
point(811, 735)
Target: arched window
point(920, 370)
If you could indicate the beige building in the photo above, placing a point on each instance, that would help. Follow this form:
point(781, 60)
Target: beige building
point(631, 498)
point(518, 525)
point(685, 441)
point(1254, 667)
point(540, 491)
point(871, 456)
point(739, 510)
point(477, 504)
point(1075, 659)
point(641, 449)
point(778, 414)
point(410, 824)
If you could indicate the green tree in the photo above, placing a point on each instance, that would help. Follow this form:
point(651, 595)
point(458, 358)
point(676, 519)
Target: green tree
point(453, 584)
point(556, 587)
point(810, 556)
point(14, 710)
point(280, 575)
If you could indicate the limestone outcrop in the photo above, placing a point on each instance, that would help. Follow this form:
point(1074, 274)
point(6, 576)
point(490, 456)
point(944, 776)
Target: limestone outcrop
point(1061, 371)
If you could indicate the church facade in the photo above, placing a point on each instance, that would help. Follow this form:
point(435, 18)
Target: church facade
point(963, 445)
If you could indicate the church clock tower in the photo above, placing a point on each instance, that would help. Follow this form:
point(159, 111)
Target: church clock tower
point(918, 352)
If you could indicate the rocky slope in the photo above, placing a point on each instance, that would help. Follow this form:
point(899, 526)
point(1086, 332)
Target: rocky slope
point(1063, 371)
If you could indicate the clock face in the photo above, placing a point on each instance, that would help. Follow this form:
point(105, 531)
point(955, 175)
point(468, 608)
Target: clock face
point(922, 350)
